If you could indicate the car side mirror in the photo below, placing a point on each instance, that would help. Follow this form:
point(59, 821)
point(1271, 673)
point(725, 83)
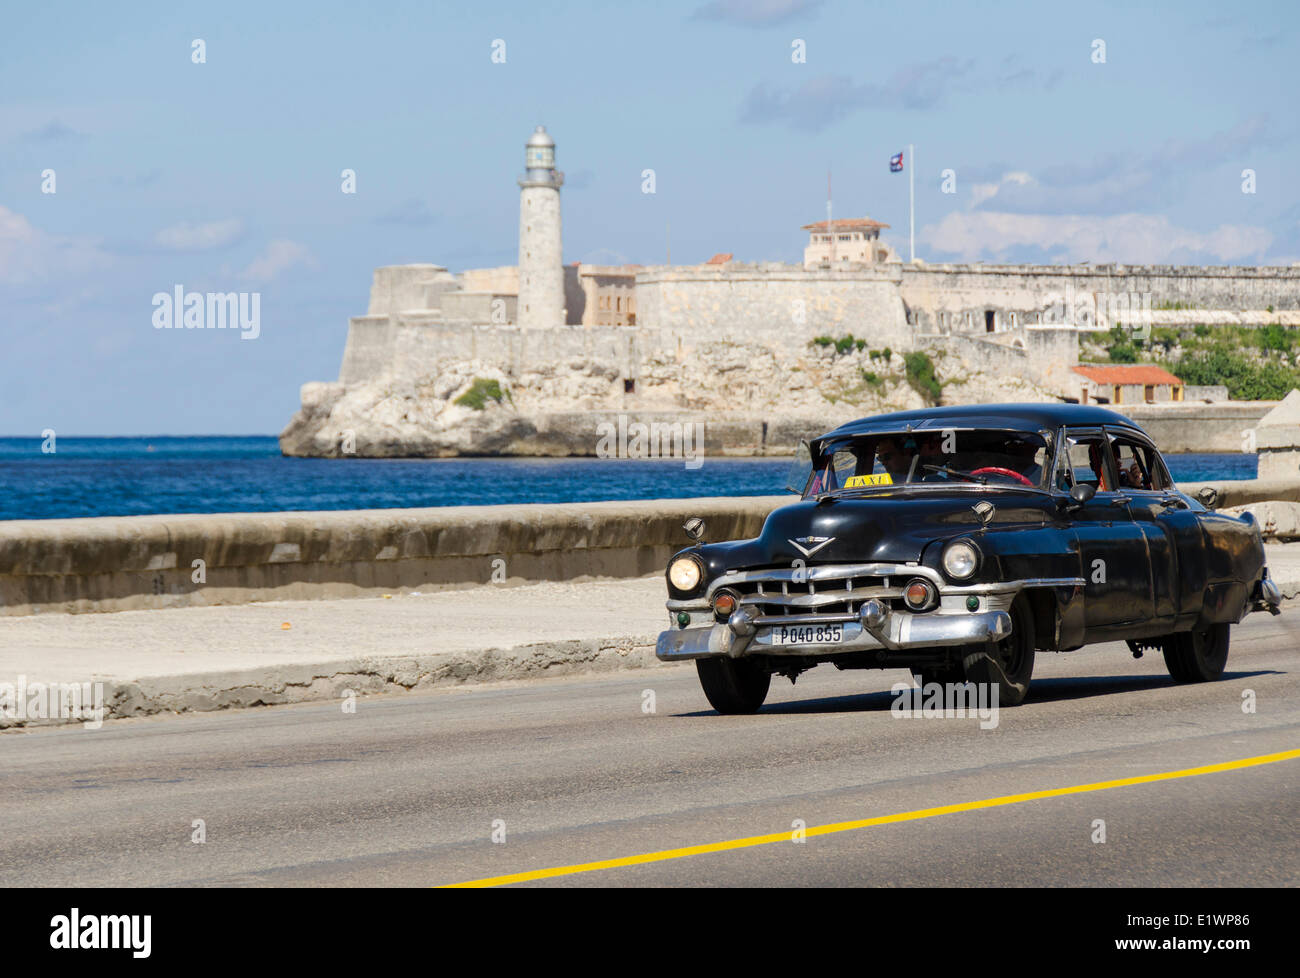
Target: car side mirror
point(1083, 493)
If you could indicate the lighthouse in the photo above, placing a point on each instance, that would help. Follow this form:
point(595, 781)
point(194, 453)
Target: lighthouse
point(541, 261)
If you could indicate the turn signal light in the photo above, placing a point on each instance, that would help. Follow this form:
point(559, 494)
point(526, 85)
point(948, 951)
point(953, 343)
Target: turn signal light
point(724, 603)
point(918, 594)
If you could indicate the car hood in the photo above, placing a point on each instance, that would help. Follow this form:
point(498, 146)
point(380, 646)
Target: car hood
point(889, 527)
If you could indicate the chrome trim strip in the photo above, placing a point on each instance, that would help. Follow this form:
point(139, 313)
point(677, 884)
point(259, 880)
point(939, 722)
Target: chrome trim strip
point(688, 604)
point(768, 621)
point(999, 586)
point(830, 572)
point(822, 572)
point(824, 598)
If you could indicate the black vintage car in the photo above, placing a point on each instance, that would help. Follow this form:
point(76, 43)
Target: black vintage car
point(956, 542)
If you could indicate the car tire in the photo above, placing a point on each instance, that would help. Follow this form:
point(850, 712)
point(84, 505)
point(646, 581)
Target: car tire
point(1198, 656)
point(733, 685)
point(1008, 663)
point(939, 674)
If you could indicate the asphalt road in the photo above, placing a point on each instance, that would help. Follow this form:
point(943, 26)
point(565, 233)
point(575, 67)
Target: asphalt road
point(409, 788)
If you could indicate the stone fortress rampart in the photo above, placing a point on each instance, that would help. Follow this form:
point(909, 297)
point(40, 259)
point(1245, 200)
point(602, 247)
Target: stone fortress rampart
point(603, 330)
point(419, 317)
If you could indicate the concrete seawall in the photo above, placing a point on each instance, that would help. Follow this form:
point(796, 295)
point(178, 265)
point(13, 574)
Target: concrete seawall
point(139, 562)
point(130, 562)
point(1181, 428)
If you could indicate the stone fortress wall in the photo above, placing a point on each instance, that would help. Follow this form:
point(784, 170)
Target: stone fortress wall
point(1004, 317)
point(726, 339)
point(958, 297)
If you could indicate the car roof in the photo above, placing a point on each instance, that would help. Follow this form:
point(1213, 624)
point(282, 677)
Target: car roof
point(1028, 417)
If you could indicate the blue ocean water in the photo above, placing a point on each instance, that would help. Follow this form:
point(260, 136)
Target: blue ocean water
point(217, 474)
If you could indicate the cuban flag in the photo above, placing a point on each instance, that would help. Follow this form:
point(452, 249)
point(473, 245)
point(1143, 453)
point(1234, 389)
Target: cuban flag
point(896, 163)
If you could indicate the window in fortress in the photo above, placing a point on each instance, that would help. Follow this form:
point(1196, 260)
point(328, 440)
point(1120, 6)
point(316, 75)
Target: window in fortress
point(990, 320)
point(629, 385)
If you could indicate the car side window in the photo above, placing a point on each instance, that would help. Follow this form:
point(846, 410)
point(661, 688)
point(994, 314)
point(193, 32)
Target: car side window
point(1086, 462)
point(1160, 478)
point(1137, 466)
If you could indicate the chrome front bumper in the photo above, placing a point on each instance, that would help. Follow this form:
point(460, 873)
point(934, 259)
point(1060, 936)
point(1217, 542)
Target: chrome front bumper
point(1267, 596)
point(876, 627)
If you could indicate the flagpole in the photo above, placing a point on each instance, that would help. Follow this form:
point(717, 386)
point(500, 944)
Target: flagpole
point(830, 229)
point(911, 200)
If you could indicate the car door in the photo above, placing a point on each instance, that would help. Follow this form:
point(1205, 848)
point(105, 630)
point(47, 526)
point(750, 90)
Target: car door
point(1175, 542)
point(1113, 557)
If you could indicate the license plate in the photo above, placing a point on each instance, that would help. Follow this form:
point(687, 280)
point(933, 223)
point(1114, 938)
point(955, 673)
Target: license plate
point(807, 634)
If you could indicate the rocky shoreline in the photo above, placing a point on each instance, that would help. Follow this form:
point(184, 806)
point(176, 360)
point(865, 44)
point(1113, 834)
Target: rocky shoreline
point(751, 401)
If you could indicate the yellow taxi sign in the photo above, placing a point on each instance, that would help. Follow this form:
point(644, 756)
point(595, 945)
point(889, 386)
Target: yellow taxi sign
point(858, 481)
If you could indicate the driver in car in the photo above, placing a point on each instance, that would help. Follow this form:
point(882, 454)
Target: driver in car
point(1023, 456)
point(895, 458)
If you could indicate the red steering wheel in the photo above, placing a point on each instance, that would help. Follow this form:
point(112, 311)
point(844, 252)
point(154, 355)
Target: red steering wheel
point(1011, 473)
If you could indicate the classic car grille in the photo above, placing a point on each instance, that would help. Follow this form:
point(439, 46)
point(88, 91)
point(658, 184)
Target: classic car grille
point(835, 596)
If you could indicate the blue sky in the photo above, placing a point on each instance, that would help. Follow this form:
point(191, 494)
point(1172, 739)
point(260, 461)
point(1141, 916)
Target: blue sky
point(225, 176)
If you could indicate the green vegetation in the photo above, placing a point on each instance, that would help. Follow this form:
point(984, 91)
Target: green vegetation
point(873, 379)
point(1124, 346)
point(920, 374)
point(479, 392)
point(848, 343)
point(1254, 363)
point(1276, 338)
point(845, 344)
point(1123, 353)
point(1246, 380)
point(1165, 337)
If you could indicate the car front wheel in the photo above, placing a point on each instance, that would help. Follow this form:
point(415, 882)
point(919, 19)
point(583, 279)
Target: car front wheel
point(1009, 663)
point(1198, 656)
point(733, 685)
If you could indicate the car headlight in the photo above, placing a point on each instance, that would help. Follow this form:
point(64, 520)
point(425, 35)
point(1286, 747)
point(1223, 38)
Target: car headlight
point(684, 573)
point(960, 560)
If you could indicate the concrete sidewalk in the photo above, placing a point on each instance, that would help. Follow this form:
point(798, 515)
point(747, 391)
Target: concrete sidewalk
point(173, 660)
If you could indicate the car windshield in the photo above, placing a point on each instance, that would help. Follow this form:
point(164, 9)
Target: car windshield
point(933, 457)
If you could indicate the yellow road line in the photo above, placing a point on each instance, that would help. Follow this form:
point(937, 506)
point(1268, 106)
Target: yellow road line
point(966, 806)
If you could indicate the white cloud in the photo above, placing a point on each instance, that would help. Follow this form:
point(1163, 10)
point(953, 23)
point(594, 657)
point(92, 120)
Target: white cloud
point(1127, 238)
point(29, 255)
point(756, 13)
point(279, 256)
point(200, 237)
point(980, 192)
